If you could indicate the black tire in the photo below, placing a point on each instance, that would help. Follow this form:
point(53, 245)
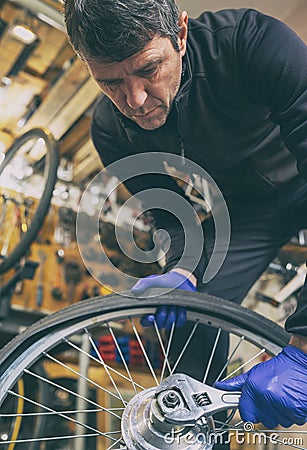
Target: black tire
point(43, 206)
point(220, 309)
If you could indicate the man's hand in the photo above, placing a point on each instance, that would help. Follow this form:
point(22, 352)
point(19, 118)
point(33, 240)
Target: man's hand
point(165, 316)
point(273, 392)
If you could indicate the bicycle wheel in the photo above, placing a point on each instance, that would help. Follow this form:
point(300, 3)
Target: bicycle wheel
point(99, 345)
point(27, 178)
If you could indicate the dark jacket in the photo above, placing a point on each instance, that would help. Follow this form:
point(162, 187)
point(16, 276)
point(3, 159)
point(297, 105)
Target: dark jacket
point(240, 113)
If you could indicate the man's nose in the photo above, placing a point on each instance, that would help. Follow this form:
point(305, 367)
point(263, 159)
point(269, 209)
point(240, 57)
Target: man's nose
point(136, 94)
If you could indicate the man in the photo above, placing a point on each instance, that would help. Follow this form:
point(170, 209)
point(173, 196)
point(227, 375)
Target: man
point(228, 92)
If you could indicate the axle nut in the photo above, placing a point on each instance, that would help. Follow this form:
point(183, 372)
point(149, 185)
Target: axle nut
point(171, 399)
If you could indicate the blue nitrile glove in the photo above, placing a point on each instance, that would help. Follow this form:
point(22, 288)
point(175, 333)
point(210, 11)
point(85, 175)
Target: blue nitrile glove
point(165, 316)
point(273, 392)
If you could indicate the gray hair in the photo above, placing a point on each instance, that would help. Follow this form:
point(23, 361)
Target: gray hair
point(113, 30)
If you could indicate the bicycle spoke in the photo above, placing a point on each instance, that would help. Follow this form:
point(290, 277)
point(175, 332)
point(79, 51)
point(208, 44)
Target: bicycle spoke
point(106, 368)
point(229, 418)
point(48, 413)
point(226, 427)
point(53, 438)
point(245, 364)
point(144, 352)
point(185, 347)
point(212, 355)
point(80, 375)
point(70, 419)
point(75, 394)
point(170, 340)
point(115, 443)
point(111, 369)
point(162, 347)
point(122, 357)
point(230, 358)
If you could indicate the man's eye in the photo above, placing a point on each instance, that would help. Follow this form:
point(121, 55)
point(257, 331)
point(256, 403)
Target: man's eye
point(111, 83)
point(149, 72)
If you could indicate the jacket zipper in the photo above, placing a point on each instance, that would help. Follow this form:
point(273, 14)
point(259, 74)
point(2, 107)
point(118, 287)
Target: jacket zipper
point(181, 139)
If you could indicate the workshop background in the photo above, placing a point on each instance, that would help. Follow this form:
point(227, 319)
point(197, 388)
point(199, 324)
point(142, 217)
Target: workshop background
point(43, 84)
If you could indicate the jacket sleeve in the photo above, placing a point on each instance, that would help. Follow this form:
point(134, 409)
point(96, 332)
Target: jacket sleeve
point(273, 66)
point(117, 149)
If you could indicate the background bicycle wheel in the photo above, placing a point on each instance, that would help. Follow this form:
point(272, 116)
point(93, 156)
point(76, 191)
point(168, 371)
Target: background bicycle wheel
point(27, 178)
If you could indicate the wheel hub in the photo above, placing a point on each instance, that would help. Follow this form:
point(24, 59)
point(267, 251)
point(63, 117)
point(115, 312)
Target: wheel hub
point(145, 428)
point(175, 415)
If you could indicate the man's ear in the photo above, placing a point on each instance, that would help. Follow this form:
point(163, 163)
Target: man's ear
point(183, 33)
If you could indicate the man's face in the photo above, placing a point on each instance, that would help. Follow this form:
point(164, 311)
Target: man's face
point(143, 86)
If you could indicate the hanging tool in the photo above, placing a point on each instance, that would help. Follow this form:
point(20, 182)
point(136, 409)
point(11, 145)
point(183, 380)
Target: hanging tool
point(5, 201)
point(19, 284)
point(25, 214)
point(73, 275)
point(57, 291)
point(23, 228)
point(85, 292)
point(40, 285)
point(25, 272)
point(23, 219)
point(10, 232)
